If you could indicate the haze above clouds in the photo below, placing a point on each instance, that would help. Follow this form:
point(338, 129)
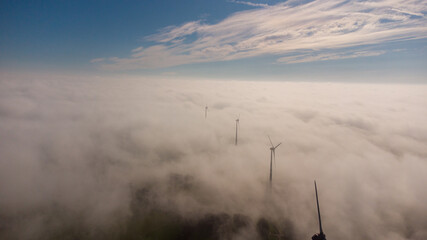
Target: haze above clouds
point(75, 153)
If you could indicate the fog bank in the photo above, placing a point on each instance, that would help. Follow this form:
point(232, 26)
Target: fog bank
point(91, 154)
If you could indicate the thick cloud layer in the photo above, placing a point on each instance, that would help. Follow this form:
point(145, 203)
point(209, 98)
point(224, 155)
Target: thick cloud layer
point(86, 153)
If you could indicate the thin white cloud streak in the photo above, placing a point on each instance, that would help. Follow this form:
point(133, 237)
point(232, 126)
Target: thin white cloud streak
point(281, 29)
point(137, 49)
point(171, 33)
point(251, 3)
point(328, 56)
point(97, 60)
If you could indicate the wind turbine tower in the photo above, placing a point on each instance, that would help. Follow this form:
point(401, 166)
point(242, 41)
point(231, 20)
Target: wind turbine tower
point(272, 156)
point(321, 235)
point(237, 126)
point(206, 111)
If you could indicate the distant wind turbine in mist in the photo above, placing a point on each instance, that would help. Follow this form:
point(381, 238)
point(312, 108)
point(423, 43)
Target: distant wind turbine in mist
point(272, 156)
point(206, 111)
point(237, 127)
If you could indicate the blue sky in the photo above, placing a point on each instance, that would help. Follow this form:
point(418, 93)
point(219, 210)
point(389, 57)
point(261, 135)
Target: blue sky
point(256, 40)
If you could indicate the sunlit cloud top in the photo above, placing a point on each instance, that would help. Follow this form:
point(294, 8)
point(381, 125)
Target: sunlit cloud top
point(292, 32)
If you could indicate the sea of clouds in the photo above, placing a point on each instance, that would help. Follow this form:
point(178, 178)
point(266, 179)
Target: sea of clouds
point(76, 153)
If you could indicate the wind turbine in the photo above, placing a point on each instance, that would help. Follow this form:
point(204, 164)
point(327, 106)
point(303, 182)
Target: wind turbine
point(237, 126)
point(272, 155)
point(206, 111)
point(321, 235)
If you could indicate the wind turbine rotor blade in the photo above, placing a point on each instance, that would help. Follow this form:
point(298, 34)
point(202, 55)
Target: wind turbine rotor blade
point(270, 141)
point(277, 145)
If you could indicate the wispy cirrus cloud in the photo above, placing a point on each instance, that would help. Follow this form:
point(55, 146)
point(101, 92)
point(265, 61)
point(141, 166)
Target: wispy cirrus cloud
point(174, 34)
point(97, 60)
point(138, 49)
point(282, 30)
point(252, 4)
point(312, 57)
